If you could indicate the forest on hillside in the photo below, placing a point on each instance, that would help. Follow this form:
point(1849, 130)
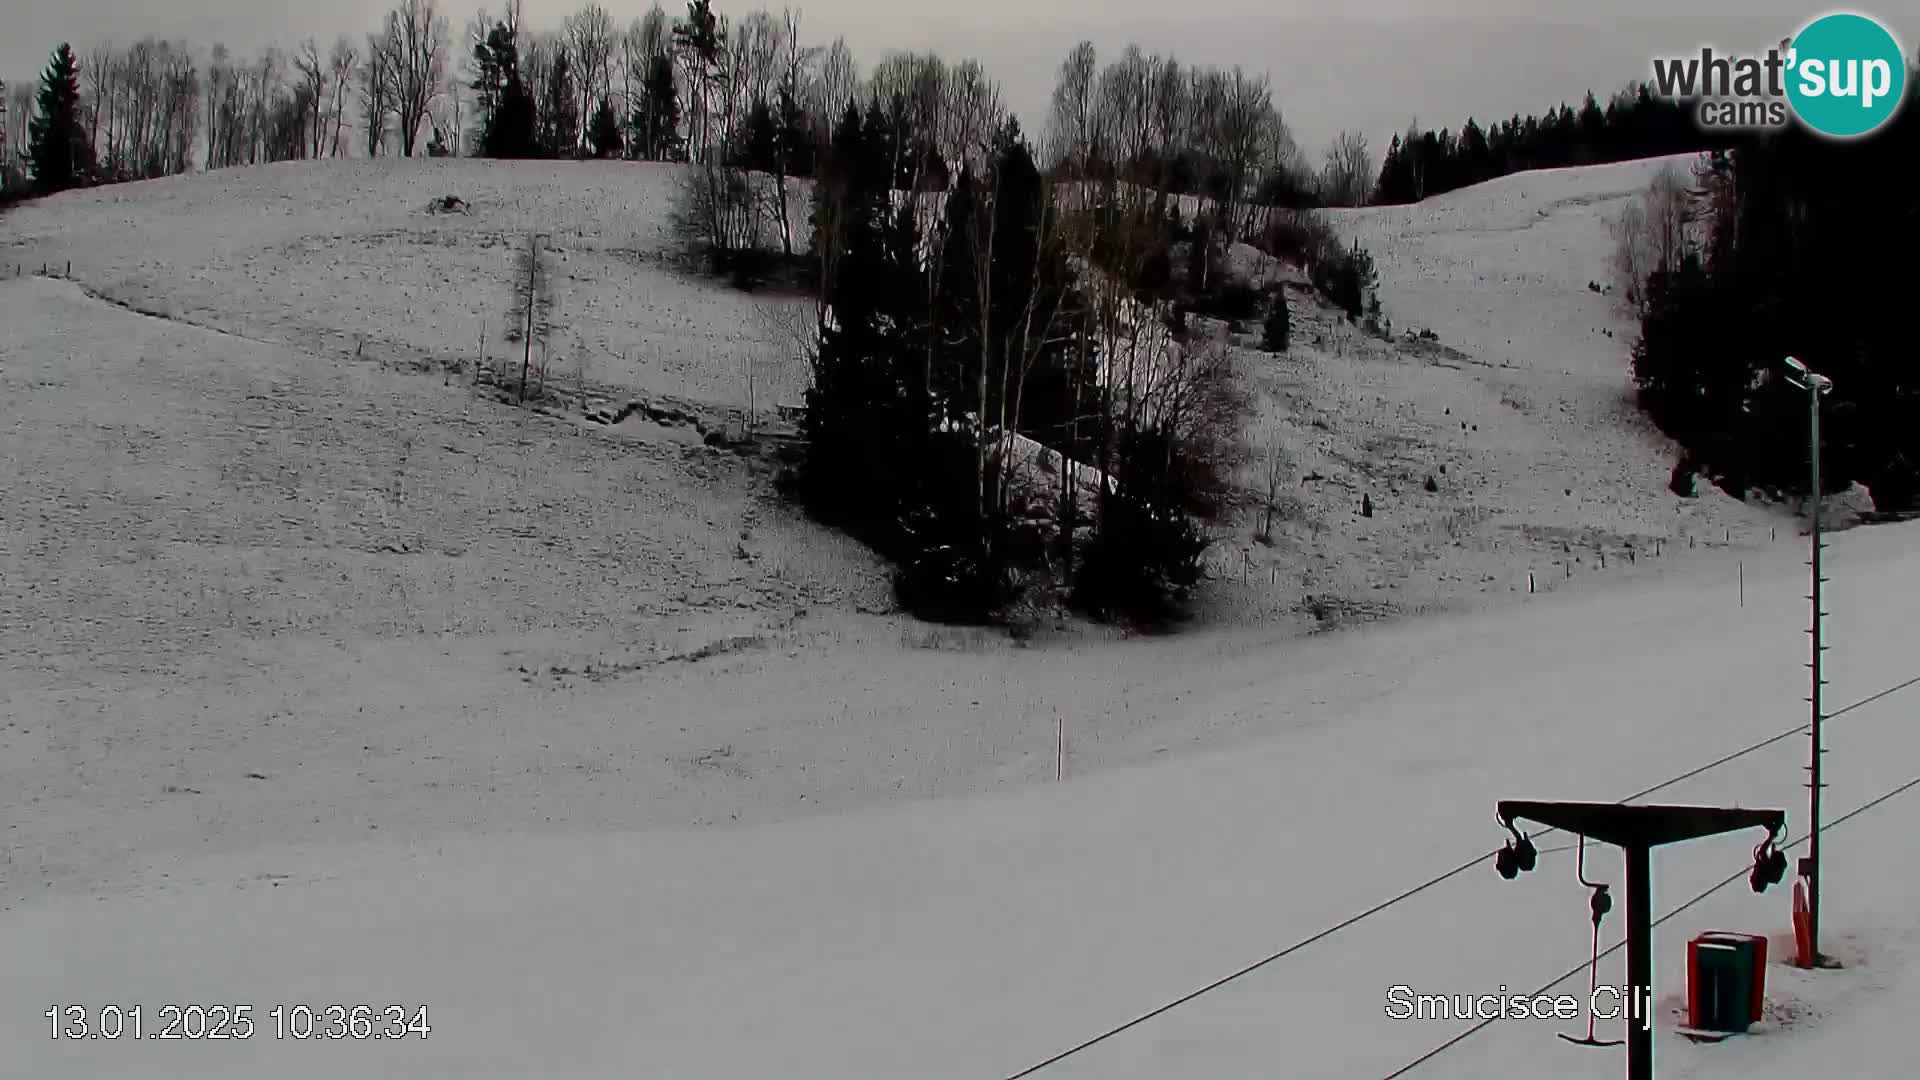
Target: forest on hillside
point(1806, 250)
point(980, 291)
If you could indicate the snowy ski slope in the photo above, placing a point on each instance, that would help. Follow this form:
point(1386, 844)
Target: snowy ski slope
point(972, 937)
point(324, 679)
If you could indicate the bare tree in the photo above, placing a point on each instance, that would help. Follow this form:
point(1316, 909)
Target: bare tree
point(889, 84)
point(1170, 108)
point(99, 71)
point(974, 114)
point(656, 32)
point(141, 75)
point(179, 114)
point(1009, 353)
point(717, 214)
point(229, 106)
point(909, 88)
point(728, 85)
point(1123, 118)
point(839, 82)
point(1275, 468)
point(926, 115)
point(1243, 132)
point(1348, 172)
point(416, 47)
point(219, 78)
point(757, 47)
point(377, 98)
point(19, 115)
point(1668, 211)
point(648, 37)
point(314, 75)
point(262, 88)
point(795, 70)
point(1070, 118)
point(700, 47)
point(590, 39)
point(633, 72)
point(192, 91)
point(8, 181)
point(531, 319)
point(1650, 234)
point(1631, 258)
point(342, 63)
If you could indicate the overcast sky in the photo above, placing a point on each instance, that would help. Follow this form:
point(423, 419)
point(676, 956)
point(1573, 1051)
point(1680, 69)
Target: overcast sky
point(1373, 67)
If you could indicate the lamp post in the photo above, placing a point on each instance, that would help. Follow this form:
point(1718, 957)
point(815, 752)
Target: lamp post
point(1816, 386)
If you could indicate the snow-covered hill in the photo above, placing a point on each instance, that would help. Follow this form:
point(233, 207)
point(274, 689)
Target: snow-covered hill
point(1520, 411)
point(346, 258)
point(974, 937)
point(324, 677)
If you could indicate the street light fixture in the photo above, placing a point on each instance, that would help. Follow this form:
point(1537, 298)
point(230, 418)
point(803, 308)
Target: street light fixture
point(1812, 381)
point(1816, 386)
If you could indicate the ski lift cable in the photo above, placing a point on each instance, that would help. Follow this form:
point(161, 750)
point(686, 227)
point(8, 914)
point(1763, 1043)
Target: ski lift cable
point(1744, 870)
point(1253, 967)
point(1431, 882)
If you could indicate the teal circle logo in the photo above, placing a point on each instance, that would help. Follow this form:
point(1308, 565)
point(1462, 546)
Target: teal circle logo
point(1846, 75)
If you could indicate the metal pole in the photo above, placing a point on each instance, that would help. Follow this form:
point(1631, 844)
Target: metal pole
point(1639, 963)
point(1810, 869)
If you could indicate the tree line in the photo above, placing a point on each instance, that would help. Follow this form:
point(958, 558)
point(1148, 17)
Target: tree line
point(158, 108)
point(1009, 396)
point(664, 88)
point(985, 409)
point(1635, 123)
point(988, 415)
point(1784, 264)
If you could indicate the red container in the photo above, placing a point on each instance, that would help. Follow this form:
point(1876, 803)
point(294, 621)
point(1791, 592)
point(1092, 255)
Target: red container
point(1752, 966)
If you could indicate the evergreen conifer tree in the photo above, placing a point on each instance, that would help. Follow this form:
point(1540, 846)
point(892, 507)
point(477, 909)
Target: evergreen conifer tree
point(1279, 327)
point(509, 130)
point(58, 149)
point(604, 132)
point(656, 121)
